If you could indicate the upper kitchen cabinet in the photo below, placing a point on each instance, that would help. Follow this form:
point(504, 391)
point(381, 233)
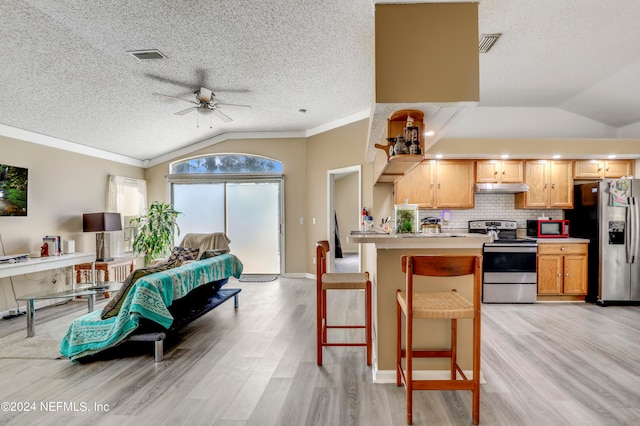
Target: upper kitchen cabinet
point(454, 184)
point(417, 186)
point(438, 184)
point(600, 169)
point(550, 185)
point(499, 171)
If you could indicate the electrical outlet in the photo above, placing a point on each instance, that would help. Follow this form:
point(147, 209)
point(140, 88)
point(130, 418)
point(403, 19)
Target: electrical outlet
point(314, 260)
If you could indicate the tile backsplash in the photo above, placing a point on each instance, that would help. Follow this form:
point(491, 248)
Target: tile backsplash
point(491, 207)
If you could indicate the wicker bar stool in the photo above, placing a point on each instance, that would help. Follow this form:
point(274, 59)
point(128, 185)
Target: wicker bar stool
point(438, 305)
point(339, 281)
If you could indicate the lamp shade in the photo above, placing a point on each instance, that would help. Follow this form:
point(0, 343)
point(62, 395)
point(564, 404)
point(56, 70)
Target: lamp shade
point(101, 222)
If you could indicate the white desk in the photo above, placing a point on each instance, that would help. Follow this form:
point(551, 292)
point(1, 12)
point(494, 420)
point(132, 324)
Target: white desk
point(38, 264)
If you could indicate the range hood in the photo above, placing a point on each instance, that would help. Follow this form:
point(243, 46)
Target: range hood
point(501, 188)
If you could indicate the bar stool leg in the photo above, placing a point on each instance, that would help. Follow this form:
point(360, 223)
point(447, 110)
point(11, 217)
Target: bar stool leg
point(454, 348)
point(319, 323)
point(409, 373)
point(368, 322)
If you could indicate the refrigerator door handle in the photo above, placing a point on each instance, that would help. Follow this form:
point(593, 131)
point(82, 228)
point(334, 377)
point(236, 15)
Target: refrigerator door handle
point(628, 235)
point(636, 230)
point(631, 234)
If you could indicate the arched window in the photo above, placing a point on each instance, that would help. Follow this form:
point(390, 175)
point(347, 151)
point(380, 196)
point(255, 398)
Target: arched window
point(227, 164)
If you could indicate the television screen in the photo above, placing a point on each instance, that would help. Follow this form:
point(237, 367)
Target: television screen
point(13, 190)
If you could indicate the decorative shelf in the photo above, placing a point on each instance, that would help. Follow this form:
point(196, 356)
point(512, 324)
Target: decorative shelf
point(397, 166)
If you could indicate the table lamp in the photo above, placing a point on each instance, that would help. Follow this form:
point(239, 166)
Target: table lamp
point(101, 223)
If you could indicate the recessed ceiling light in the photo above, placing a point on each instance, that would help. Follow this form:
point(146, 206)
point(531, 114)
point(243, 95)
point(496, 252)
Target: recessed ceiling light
point(146, 54)
point(611, 156)
point(429, 133)
point(556, 156)
point(438, 156)
point(504, 156)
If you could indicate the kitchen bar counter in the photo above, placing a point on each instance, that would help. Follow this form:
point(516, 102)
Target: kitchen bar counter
point(382, 253)
point(442, 240)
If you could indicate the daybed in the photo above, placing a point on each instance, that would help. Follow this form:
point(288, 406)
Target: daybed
point(160, 299)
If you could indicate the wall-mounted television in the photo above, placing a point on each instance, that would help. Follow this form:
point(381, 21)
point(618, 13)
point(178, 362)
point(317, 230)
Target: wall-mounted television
point(13, 190)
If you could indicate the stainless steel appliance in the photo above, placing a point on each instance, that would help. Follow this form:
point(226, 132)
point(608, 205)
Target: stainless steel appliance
point(609, 219)
point(509, 263)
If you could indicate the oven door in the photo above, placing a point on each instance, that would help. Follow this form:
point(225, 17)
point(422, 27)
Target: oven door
point(509, 274)
point(509, 258)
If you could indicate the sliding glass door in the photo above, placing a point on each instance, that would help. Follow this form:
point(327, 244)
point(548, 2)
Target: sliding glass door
point(249, 211)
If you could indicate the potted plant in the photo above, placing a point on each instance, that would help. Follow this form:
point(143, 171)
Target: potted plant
point(156, 231)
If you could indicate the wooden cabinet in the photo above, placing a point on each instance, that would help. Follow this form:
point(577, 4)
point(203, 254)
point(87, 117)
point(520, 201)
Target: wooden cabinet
point(550, 185)
point(416, 186)
point(600, 169)
point(562, 269)
point(454, 184)
point(499, 171)
point(438, 184)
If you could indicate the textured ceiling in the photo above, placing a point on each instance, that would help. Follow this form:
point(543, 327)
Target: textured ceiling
point(65, 71)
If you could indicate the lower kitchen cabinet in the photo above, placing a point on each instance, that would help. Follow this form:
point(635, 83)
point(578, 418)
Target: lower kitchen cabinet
point(562, 269)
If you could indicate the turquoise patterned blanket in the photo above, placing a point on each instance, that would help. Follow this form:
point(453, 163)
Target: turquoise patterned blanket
point(148, 298)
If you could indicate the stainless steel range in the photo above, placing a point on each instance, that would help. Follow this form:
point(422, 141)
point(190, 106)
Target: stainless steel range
point(509, 263)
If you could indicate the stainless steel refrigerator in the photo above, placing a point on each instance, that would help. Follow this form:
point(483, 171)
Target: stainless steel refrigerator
point(608, 217)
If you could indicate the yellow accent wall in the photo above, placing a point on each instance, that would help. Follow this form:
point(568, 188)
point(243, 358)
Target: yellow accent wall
point(427, 52)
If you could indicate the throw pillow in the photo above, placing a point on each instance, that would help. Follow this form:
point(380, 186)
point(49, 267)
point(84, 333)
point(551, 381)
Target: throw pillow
point(182, 254)
point(112, 307)
point(213, 253)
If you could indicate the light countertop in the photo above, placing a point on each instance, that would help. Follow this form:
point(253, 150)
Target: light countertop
point(569, 240)
point(442, 240)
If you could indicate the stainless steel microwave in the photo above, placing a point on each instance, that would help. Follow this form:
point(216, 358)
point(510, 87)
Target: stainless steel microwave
point(548, 228)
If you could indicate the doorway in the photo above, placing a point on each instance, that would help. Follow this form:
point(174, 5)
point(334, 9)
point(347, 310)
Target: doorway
point(249, 211)
point(343, 216)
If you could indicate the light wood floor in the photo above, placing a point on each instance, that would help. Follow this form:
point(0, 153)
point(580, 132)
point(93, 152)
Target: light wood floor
point(544, 364)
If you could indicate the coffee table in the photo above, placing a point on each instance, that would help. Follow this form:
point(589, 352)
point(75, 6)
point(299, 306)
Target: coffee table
point(88, 290)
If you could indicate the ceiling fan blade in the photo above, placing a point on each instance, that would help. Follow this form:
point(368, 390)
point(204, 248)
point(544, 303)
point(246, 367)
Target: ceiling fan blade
point(185, 84)
point(222, 116)
point(232, 106)
point(205, 95)
point(173, 97)
point(186, 111)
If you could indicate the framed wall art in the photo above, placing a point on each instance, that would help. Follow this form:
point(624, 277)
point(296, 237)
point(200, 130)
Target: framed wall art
point(13, 190)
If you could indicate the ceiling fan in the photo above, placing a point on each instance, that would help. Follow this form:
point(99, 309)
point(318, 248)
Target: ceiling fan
point(205, 102)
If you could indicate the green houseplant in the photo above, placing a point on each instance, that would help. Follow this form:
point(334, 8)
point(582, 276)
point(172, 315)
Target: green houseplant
point(156, 231)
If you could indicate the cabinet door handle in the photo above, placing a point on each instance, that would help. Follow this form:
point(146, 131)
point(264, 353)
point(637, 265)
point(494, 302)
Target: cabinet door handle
point(504, 172)
point(438, 185)
point(562, 248)
point(546, 185)
point(559, 275)
point(566, 275)
point(553, 185)
point(495, 173)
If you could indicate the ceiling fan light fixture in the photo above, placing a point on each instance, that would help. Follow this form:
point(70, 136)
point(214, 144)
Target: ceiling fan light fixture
point(487, 41)
point(146, 54)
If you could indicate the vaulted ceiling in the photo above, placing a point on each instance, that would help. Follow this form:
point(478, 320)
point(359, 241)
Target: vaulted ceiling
point(562, 68)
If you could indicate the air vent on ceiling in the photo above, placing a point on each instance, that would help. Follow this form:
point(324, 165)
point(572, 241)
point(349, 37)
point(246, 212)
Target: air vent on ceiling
point(487, 41)
point(147, 54)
